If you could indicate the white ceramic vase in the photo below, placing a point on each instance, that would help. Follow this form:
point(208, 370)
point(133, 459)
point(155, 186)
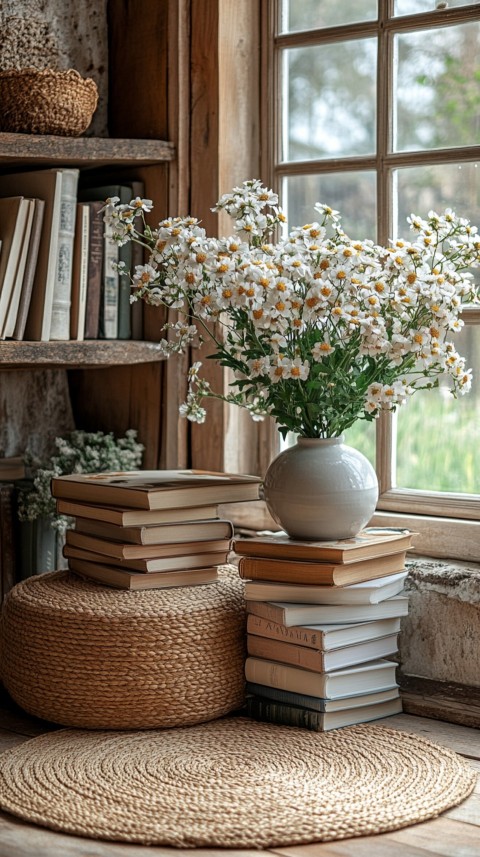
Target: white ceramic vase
point(321, 489)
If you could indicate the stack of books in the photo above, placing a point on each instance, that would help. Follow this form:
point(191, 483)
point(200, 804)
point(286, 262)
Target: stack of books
point(322, 627)
point(149, 529)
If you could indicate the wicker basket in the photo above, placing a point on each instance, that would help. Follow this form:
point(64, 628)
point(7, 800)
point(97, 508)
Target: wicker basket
point(46, 102)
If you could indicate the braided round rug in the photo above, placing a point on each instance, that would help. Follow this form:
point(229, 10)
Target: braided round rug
point(232, 783)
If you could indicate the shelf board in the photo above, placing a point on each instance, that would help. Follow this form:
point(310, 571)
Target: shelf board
point(19, 150)
point(77, 355)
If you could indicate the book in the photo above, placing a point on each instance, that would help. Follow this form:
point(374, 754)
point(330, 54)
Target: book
point(30, 269)
point(362, 678)
point(317, 703)
point(368, 592)
point(166, 563)
point(323, 637)
point(143, 551)
point(13, 217)
point(80, 273)
point(178, 533)
point(125, 579)
point(46, 185)
point(316, 659)
point(95, 269)
point(156, 489)
point(138, 254)
point(368, 544)
point(62, 291)
point(10, 321)
point(12, 468)
point(328, 614)
point(324, 573)
point(290, 715)
point(134, 517)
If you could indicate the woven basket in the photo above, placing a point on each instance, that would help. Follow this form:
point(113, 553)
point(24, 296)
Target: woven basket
point(46, 102)
point(82, 654)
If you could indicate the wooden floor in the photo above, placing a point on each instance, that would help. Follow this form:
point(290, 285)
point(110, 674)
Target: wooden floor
point(456, 833)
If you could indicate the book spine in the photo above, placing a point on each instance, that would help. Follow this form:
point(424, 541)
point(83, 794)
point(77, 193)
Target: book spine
point(314, 703)
point(300, 636)
point(278, 650)
point(124, 292)
point(276, 674)
point(60, 317)
point(30, 268)
point(284, 715)
point(110, 289)
point(80, 273)
point(95, 270)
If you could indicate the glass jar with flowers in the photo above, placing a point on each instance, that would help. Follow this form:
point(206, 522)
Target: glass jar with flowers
point(320, 330)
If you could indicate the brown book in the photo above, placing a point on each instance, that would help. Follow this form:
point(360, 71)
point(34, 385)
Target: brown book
point(368, 544)
point(166, 563)
point(324, 573)
point(80, 272)
point(95, 269)
point(12, 468)
point(178, 533)
point(7, 538)
point(289, 614)
point(134, 517)
point(122, 578)
point(30, 268)
point(143, 551)
point(156, 489)
point(318, 660)
point(322, 637)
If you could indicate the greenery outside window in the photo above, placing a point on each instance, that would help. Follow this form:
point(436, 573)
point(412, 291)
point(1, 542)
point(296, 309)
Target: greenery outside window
point(374, 109)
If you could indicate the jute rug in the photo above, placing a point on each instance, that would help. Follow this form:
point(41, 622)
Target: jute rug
point(231, 783)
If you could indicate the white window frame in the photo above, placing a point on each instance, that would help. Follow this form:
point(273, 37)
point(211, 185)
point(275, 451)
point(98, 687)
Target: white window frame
point(447, 524)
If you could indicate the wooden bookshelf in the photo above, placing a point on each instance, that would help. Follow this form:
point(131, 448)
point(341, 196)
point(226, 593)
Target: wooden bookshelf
point(42, 151)
point(77, 355)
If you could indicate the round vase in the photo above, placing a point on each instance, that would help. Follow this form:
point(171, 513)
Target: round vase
point(321, 489)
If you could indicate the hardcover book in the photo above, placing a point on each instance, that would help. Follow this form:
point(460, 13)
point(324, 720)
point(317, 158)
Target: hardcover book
point(62, 291)
point(267, 711)
point(13, 218)
point(368, 592)
point(324, 573)
point(317, 703)
point(166, 563)
point(134, 517)
point(362, 678)
point(325, 638)
point(369, 543)
point(80, 273)
point(329, 614)
point(156, 489)
point(176, 533)
point(143, 551)
point(317, 660)
point(30, 269)
point(95, 270)
point(122, 578)
point(10, 320)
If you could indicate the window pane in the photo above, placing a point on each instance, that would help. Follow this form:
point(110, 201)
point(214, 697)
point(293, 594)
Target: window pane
point(412, 7)
point(421, 189)
point(353, 194)
point(328, 100)
point(314, 14)
point(438, 442)
point(437, 93)
point(362, 437)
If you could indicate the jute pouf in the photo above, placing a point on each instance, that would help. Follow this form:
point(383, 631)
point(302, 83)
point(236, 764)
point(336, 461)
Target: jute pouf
point(231, 783)
point(81, 654)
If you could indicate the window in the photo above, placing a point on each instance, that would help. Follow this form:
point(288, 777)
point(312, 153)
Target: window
point(374, 108)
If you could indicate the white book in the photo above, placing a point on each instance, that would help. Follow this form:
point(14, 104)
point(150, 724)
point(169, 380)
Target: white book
point(110, 291)
point(318, 660)
point(13, 219)
point(328, 614)
point(368, 592)
point(11, 317)
point(81, 244)
point(317, 703)
point(323, 637)
point(284, 714)
point(363, 678)
point(61, 299)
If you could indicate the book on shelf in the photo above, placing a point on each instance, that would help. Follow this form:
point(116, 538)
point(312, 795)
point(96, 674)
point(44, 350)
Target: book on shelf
point(10, 321)
point(368, 592)
point(62, 292)
point(122, 578)
point(324, 573)
point(177, 533)
point(361, 678)
point(329, 614)
point(318, 660)
point(134, 517)
point(281, 713)
point(368, 544)
point(13, 217)
point(165, 563)
point(138, 255)
point(78, 307)
point(30, 269)
point(46, 185)
point(95, 269)
point(156, 489)
point(326, 638)
point(317, 703)
point(12, 468)
point(143, 551)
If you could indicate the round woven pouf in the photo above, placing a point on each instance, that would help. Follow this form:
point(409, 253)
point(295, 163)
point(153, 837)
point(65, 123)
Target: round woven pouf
point(233, 783)
point(81, 654)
